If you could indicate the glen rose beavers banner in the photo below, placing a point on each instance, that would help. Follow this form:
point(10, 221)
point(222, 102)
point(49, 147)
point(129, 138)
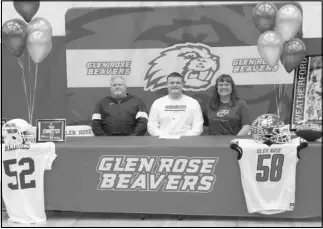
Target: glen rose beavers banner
point(200, 65)
point(307, 96)
point(149, 173)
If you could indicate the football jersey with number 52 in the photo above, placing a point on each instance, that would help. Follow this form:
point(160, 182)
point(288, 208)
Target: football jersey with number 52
point(23, 169)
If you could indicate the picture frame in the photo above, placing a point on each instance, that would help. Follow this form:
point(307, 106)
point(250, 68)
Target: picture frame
point(50, 130)
point(307, 93)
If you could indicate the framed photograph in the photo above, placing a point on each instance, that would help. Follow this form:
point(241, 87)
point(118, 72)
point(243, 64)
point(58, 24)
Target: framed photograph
point(307, 93)
point(50, 130)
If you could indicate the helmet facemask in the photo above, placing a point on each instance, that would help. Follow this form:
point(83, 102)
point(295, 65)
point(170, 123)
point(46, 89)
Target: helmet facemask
point(281, 135)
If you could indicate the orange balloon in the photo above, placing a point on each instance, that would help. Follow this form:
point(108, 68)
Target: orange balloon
point(39, 36)
point(39, 23)
point(39, 45)
point(270, 47)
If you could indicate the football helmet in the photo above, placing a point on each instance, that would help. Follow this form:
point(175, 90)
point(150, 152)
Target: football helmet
point(268, 128)
point(17, 131)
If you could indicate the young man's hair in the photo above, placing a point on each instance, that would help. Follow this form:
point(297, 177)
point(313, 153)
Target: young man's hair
point(175, 74)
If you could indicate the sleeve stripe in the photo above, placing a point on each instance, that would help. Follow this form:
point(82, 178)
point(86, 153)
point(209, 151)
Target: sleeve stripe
point(142, 114)
point(96, 116)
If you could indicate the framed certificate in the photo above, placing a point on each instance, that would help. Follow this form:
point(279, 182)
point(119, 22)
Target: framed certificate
point(307, 93)
point(50, 130)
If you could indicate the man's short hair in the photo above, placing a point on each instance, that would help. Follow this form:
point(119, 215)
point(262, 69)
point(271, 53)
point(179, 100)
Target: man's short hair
point(116, 77)
point(175, 74)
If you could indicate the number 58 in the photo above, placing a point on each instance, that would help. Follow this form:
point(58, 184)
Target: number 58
point(274, 172)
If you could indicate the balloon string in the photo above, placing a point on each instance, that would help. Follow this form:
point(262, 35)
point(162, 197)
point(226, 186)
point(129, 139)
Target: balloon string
point(29, 62)
point(285, 89)
point(28, 102)
point(35, 85)
point(19, 61)
point(30, 80)
point(21, 64)
point(276, 100)
point(285, 86)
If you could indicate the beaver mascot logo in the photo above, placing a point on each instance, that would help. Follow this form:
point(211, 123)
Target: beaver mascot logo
point(194, 61)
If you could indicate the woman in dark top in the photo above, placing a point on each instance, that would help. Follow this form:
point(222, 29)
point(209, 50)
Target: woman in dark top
point(226, 113)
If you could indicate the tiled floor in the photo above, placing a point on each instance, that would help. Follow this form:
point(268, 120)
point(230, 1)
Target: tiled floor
point(80, 219)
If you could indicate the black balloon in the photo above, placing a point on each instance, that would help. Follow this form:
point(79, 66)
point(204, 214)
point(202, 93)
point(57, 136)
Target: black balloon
point(14, 35)
point(263, 15)
point(293, 54)
point(27, 10)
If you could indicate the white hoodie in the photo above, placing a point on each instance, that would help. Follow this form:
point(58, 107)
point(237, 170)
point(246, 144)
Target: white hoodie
point(175, 117)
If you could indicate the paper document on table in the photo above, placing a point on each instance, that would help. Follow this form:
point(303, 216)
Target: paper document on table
point(165, 136)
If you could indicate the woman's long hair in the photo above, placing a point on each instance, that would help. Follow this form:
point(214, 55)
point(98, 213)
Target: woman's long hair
point(215, 99)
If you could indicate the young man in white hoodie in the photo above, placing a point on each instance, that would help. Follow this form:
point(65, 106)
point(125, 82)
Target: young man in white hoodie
point(175, 113)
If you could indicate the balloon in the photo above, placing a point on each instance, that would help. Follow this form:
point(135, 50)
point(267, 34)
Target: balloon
point(270, 47)
point(293, 54)
point(39, 45)
point(39, 23)
point(14, 35)
point(263, 15)
point(27, 9)
point(299, 6)
point(288, 22)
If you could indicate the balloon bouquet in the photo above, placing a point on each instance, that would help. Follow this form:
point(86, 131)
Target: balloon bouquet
point(280, 38)
point(36, 35)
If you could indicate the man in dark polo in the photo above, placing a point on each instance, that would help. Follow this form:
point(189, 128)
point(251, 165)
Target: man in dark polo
point(120, 114)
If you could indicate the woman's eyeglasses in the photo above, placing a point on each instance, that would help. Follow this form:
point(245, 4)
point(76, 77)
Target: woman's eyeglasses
point(224, 85)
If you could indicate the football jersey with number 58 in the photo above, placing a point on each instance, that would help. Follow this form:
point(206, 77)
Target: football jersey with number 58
point(268, 174)
point(23, 169)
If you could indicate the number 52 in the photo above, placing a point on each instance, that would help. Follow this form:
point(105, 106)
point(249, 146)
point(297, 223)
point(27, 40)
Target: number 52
point(22, 174)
